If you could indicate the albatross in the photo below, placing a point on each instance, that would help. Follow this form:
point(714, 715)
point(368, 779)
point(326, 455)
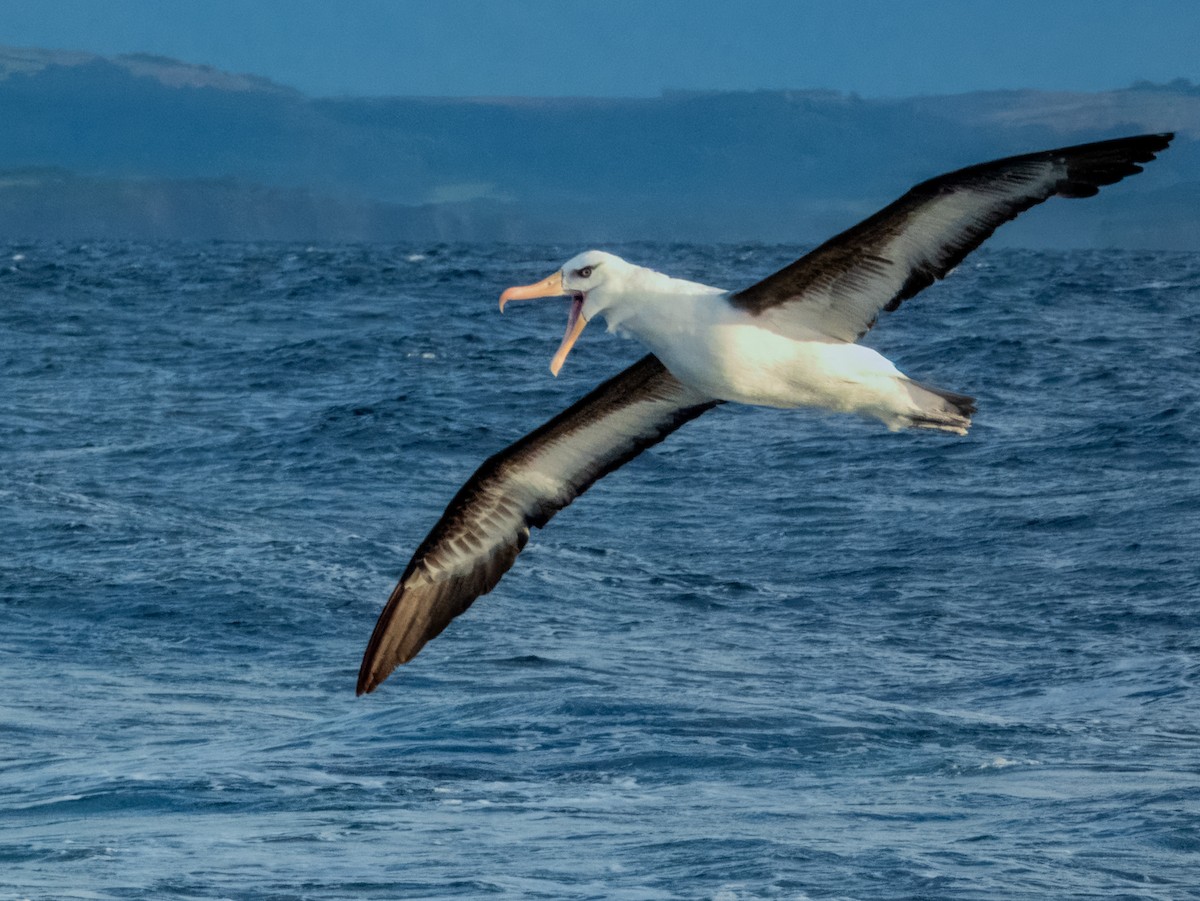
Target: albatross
point(788, 341)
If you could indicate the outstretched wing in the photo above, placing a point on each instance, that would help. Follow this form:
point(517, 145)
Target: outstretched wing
point(487, 523)
point(839, 288)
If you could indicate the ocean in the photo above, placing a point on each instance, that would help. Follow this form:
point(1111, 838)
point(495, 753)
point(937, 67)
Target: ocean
point(785, 654)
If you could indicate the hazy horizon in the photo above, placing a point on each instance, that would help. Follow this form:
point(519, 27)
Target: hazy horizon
point(128, 147)
point(629, 49)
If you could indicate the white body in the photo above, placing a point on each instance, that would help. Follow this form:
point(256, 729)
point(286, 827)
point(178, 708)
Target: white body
point(733, 355)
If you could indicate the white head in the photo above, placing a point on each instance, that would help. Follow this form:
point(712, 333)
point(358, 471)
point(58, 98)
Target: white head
point(594, 280)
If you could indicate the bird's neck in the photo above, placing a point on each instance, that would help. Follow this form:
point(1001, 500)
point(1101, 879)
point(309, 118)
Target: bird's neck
point(651, 306)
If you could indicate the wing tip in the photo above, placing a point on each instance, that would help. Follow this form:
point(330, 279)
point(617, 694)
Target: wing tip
point(1089, 167)
point(375, 670)
point(379, 661)
point(1162, 138)
point(1148, 145)
point(368, 678)
point(1151, 142)
point(380, 657)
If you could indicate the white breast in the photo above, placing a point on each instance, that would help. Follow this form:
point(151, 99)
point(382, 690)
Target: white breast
point(729, 354)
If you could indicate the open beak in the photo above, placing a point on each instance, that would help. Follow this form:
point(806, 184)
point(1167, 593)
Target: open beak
point(552, 287)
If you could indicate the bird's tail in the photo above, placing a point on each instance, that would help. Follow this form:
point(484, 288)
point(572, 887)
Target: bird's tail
point(939, 409)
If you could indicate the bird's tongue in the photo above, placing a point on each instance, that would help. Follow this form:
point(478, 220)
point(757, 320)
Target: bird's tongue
point(575, 324)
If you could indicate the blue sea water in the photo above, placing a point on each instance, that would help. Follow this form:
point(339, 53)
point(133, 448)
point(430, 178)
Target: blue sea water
point(783, 655)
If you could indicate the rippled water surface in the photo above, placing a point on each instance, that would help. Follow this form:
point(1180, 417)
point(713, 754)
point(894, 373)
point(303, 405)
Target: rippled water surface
point(783, 655)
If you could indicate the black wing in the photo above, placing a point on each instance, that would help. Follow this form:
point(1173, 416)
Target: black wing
point(487, 523)
point(837, 290)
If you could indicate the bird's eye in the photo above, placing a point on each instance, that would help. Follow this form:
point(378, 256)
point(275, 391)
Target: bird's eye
point(585, 272)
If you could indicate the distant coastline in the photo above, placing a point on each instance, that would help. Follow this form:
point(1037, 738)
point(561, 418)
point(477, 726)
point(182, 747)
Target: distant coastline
point(147, 147)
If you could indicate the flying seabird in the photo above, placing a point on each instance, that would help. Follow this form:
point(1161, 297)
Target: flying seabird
point(787, 341)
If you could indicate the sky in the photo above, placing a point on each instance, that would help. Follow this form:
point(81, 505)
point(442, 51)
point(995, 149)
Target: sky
point(875, 48)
